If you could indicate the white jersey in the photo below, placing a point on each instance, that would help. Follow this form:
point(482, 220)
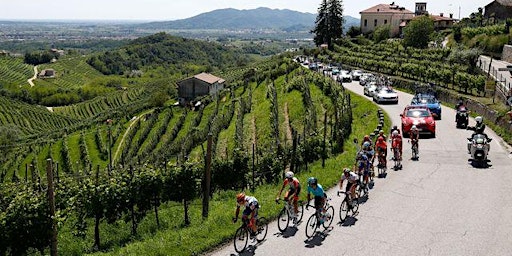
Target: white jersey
point(351, 177)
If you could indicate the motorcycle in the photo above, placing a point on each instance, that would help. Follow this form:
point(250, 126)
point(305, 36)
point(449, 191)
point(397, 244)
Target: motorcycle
point(479, 147)
point(461, 118)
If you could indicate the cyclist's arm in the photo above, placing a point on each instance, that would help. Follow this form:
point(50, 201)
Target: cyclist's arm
point(237, 211)
point(280, 191)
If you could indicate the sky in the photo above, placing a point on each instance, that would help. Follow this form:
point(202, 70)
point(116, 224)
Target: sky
point(164, 10)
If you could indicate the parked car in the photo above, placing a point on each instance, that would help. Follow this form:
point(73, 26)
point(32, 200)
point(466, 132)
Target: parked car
point(313, 66)
point(419, 116)
point(430, 101)
point(345, 76)
point(385, 95)
point(335, 71)
point(366, 78)
point(370, 89)
point(356, 74)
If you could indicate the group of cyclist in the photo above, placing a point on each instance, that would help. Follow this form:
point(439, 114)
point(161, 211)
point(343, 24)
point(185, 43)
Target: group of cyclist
point(363, 167)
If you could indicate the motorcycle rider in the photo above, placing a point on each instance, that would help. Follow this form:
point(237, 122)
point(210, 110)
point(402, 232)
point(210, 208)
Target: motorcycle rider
point(460, 105)
point(479, 128)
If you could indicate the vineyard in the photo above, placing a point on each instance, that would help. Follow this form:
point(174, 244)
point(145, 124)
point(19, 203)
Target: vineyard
point(14, 71)
point(71, 73)
point(280, 117)
point(429, 65)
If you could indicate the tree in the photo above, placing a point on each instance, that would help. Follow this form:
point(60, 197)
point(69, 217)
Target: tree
point(329, 22)
point(381, 33)
point(354, 31)
point(417, 32)
point(8, 135)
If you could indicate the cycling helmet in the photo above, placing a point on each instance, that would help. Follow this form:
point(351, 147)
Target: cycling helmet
point(360, 154)
point(479, 119)
point(240, 197)
point(346, 170)
point(312, 181)
point(288, 175)
point(366, 138)
point(381, 132)
point(394, 133)
point(364, 157)
point(380, 139)
point(366, 144)
point(414, 128)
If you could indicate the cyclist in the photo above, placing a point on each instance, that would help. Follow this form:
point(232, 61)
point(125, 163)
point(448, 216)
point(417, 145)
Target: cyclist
point(293, 191)
point(414, 135)
point(381, 149)
point(369, 152)
point(319, 195)
point(352, 179)
point(395, 128)
point(381, 134)
point(363, 166)
point(396, 142)
point(366, 139)
point(251, 208)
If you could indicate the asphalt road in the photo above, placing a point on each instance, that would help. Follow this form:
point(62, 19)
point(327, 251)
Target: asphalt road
point(437, 205)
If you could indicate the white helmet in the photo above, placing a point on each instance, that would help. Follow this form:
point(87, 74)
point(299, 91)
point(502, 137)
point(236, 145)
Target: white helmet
point(479, 119)
point(288, 175)
point(394, 133)
point(414, 128)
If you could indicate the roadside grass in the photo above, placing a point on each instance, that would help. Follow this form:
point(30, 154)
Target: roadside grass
point(202, 235)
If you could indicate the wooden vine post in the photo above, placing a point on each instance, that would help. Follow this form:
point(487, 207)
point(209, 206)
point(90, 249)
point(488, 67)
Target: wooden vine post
point(51, 202)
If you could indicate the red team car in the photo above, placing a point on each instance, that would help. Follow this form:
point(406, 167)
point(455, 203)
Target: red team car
point(419, 116)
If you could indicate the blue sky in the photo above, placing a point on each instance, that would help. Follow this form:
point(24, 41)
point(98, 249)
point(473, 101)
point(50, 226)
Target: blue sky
point(180, 9)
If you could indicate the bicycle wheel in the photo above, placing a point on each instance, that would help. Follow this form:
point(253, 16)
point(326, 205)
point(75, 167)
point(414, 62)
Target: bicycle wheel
point(300, 214)
point(344, 210)
point(329, 215)
point(262, 224)
point(241, 239)
point(311, 226)
point(356, 205)
point(283, 220)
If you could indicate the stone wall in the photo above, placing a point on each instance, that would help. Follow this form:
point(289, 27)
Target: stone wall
point(507, 53)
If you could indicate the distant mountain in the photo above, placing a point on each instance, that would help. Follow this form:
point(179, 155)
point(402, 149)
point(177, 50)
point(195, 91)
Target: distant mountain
point(254, 19)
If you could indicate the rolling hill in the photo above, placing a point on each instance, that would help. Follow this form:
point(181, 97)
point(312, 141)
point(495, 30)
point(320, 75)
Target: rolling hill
point(254, 19)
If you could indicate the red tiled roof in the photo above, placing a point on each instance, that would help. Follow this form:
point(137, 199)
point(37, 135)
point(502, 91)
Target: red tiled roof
point(386, 8)
point(439, 18)
point(209, 78)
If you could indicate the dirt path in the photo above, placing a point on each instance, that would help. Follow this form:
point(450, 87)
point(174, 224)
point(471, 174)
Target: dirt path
point(126, 133)
point(30, 80)
point(50, 109)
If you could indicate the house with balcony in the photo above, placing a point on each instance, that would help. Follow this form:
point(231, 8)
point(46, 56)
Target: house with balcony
point(385, 14)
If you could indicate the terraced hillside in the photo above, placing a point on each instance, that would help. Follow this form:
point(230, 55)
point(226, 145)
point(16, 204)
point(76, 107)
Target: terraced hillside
point(14, 71)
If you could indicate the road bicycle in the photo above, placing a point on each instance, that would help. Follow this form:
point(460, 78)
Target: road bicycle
point(414, 149)
point(287, 214)
point(397, 158)
point(348, 205)
point(243, 233)
point(320, 217)
point(362, 186)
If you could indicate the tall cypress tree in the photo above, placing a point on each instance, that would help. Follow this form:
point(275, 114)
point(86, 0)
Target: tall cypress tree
point(329, 22)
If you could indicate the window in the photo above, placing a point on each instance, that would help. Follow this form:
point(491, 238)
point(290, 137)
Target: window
point(375, 22)
point(365, 23)
point(385, 22)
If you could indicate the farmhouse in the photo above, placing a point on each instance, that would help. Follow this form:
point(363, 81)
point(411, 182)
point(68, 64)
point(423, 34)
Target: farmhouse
point(46, 73)
point(199, 85)
point(498, 10)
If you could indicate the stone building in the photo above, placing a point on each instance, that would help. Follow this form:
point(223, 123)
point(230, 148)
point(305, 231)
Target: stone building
point(498, 10)
point(199, 85)
point(384, 14)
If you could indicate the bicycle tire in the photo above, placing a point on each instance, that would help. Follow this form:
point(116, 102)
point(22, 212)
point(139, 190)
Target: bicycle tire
point(329, 216)
point(241, 238)
point(262, 224)
point(311, 226)
point(283, 220)
point(344, 209)
point(300, 214)
point(355, 208)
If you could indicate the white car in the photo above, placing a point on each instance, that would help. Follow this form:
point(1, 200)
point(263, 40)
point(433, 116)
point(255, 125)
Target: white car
point(345, 76)
point(385, 94)
point(356, 74)
point(370, 88)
